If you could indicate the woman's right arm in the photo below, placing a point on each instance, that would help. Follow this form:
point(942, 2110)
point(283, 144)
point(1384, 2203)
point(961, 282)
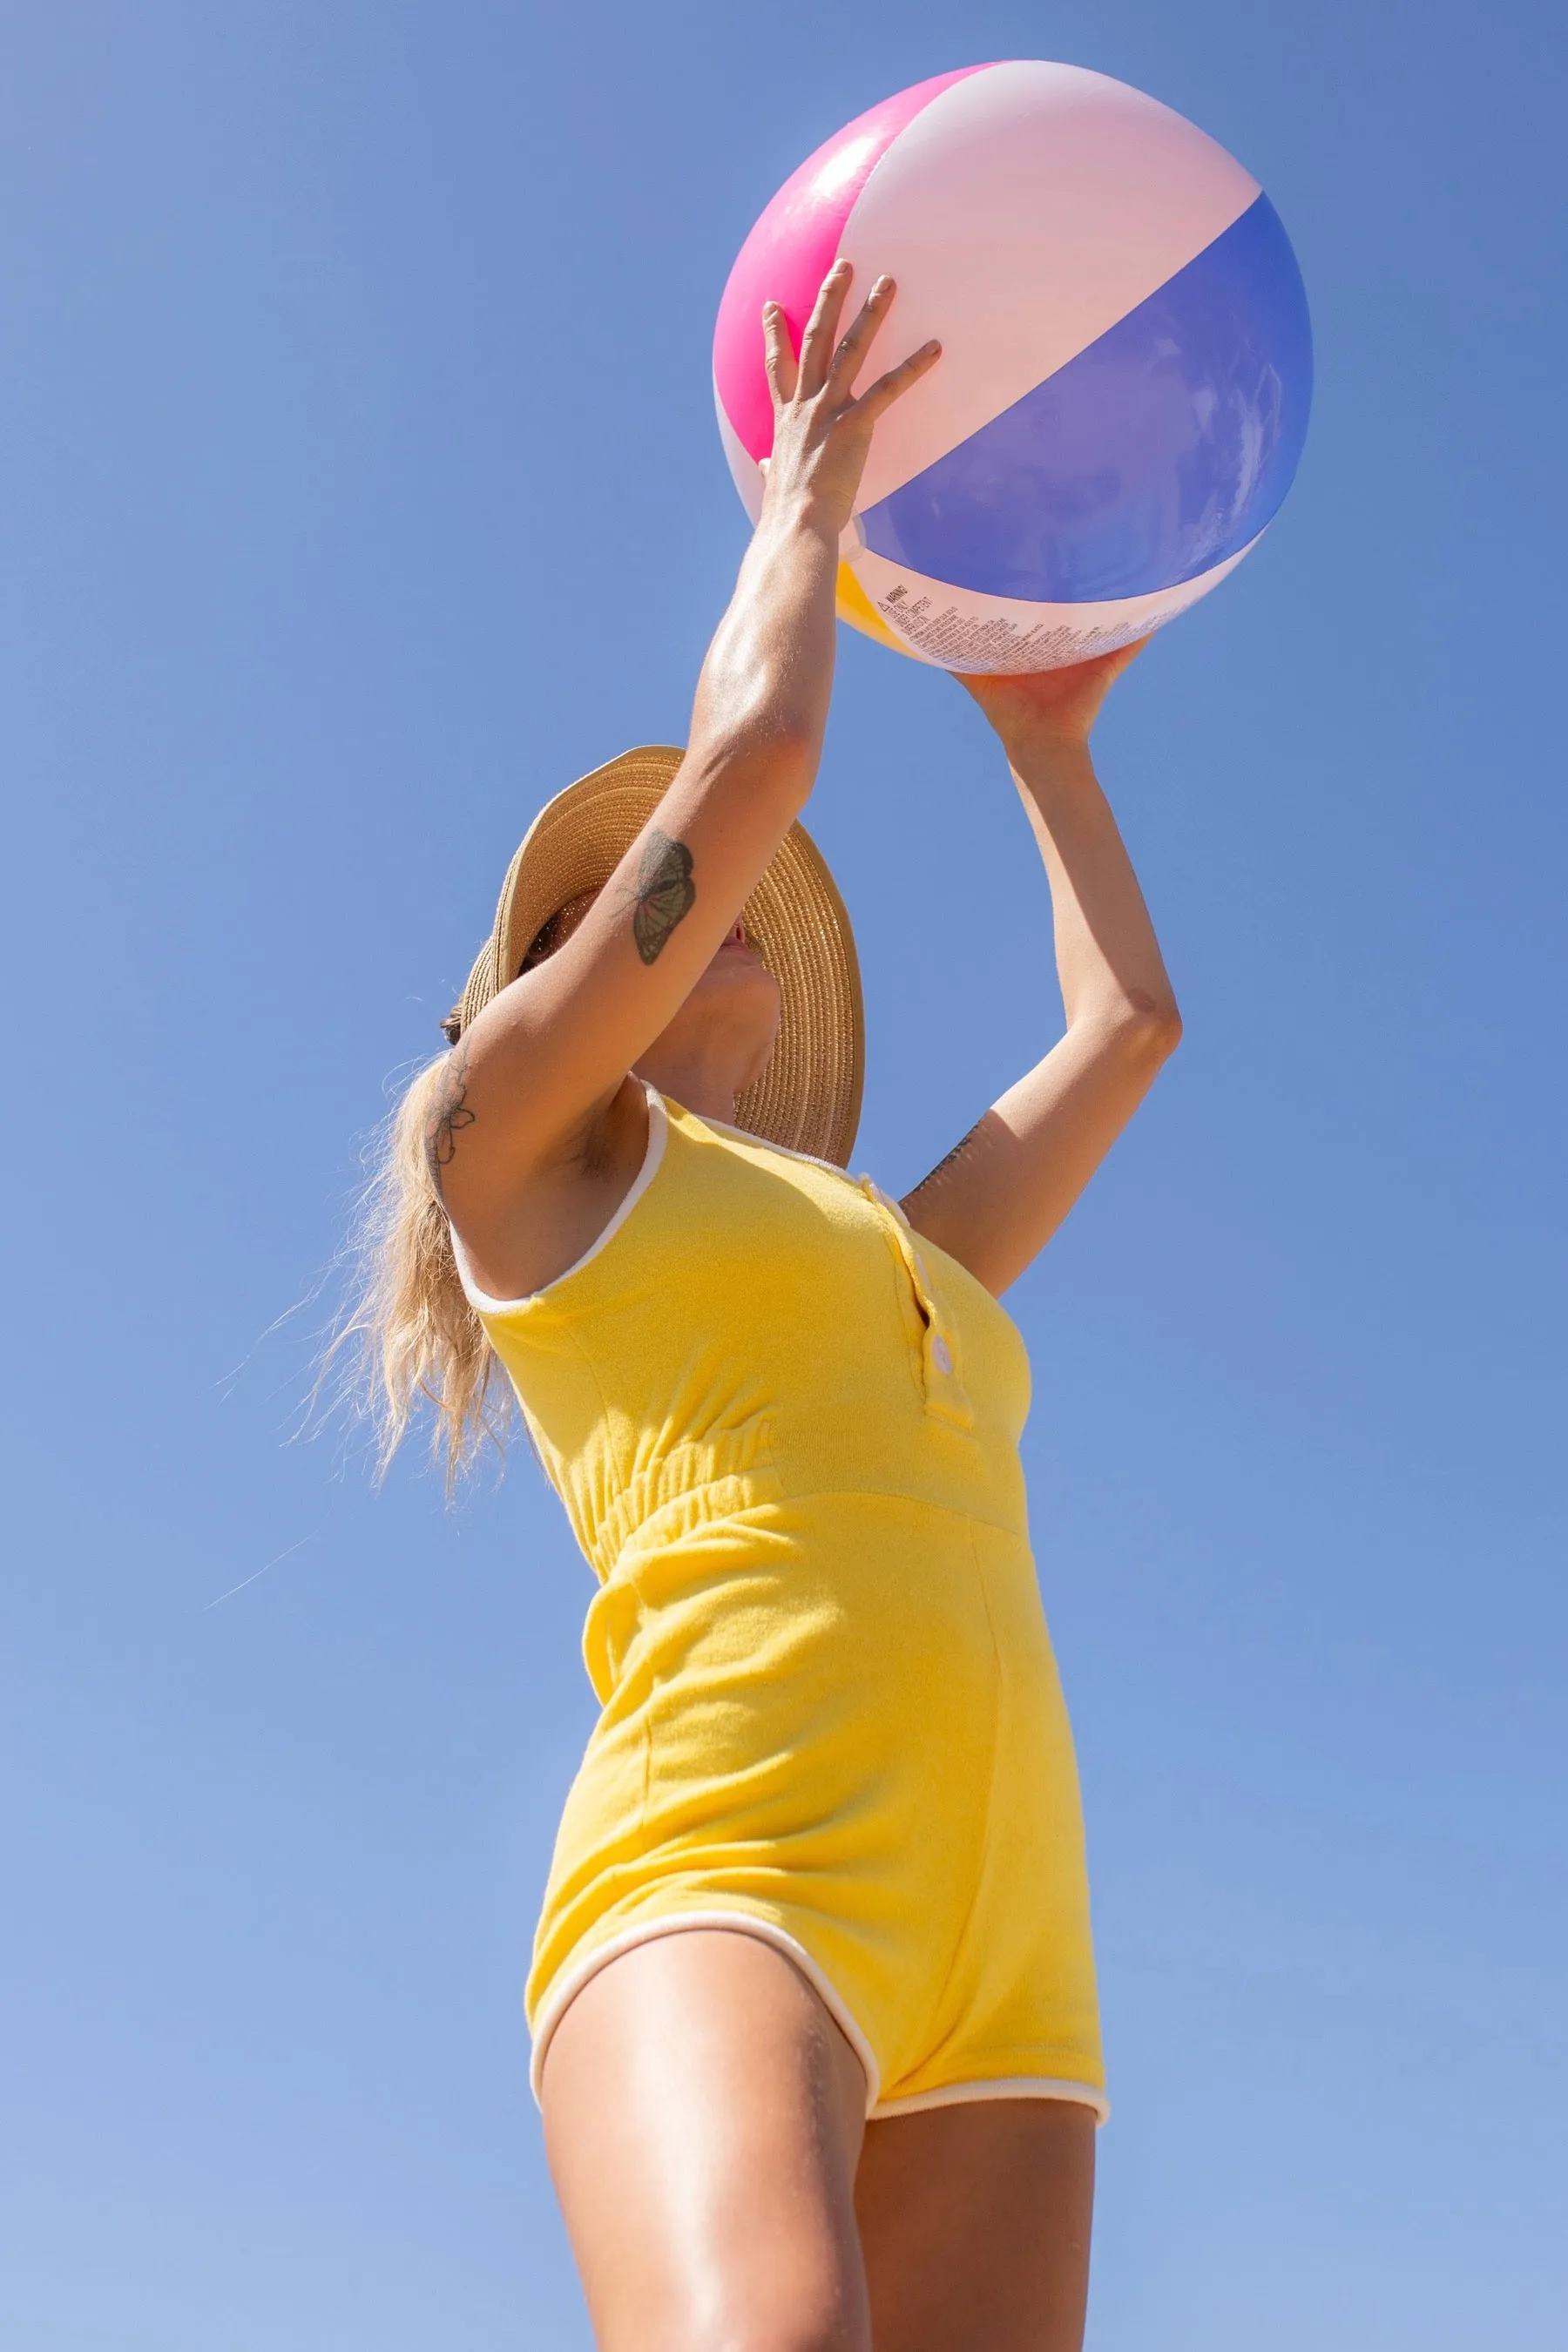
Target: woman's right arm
point(545, 1057)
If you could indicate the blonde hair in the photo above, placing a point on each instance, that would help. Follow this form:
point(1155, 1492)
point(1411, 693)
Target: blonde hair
point(407, 1336)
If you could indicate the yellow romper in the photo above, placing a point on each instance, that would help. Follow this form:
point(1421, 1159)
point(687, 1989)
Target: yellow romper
point(786, 1433)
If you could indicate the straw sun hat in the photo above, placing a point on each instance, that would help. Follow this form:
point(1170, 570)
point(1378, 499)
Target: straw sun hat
point(808, 1096)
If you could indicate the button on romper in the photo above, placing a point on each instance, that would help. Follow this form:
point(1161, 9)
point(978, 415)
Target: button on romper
point(785, 1431)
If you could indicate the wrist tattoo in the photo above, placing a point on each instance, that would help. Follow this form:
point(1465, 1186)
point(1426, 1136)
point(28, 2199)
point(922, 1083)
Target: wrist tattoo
point(448, 1113)
point(664, 893)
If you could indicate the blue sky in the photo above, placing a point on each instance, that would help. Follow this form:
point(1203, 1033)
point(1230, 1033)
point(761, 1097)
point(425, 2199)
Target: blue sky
point(359, 486)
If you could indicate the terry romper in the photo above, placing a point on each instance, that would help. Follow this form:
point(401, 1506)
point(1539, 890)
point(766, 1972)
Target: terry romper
point(786, 1432)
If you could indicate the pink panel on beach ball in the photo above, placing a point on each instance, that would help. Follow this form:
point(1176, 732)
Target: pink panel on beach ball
point(792, 248)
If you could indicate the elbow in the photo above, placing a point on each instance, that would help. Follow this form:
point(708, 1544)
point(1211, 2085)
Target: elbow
point(1164, 1024)
point(1148, 1028)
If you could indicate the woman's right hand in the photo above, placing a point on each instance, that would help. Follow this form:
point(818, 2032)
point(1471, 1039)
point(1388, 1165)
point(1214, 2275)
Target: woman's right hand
point(532, 1142)
point(822, 433)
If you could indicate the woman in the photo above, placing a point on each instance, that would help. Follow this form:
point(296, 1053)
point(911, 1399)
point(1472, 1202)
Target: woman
point(812, 2001)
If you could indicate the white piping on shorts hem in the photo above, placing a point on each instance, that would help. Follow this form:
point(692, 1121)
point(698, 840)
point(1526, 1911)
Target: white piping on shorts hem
point(657, 1129)
point(1006, 2086)
point(672, 1923)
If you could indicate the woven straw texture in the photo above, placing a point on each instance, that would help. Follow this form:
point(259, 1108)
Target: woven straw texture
point(808, 1096)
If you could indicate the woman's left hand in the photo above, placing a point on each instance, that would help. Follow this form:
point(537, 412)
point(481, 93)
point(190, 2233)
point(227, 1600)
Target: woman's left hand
point(1050, 704)
point(995, 1201)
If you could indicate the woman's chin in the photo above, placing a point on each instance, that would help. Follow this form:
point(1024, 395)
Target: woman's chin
point(734, 975)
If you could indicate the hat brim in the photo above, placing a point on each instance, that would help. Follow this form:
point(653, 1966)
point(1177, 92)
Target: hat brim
point(808, 1096)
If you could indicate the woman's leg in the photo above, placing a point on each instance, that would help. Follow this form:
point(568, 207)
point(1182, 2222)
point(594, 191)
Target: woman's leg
point(703, 2115)
point(975, 2221)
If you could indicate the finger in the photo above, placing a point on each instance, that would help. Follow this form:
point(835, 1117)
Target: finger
point(892, 386)
point(850, 356)
point(778, 357)
point(822, 329)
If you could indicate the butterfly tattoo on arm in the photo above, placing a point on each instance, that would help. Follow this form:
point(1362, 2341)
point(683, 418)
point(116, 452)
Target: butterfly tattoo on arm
point(664, 893)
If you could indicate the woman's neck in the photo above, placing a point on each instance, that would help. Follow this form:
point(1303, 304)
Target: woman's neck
point(700, 1082)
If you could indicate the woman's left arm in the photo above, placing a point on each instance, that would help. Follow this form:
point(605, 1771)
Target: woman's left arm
point(997, 1198)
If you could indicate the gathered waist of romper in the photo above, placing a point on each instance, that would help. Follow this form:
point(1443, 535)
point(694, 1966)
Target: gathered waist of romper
point(675, 1496)
point(744, 1518)
point(726, 1557)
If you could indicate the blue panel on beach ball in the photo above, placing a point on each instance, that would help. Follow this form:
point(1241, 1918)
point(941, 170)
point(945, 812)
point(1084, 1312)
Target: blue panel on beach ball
point(1154, 454)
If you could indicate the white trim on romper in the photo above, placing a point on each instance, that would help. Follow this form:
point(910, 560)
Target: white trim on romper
point(859, 1183)
point(1005, 2086)
point(657, 1129)
point(766, 1143)
point(567, 1986)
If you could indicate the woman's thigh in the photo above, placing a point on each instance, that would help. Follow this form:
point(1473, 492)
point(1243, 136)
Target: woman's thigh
point(975, 2220)
point(702, 2117)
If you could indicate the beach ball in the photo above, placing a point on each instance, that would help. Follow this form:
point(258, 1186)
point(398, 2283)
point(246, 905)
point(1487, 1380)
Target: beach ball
point(1126, 369)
